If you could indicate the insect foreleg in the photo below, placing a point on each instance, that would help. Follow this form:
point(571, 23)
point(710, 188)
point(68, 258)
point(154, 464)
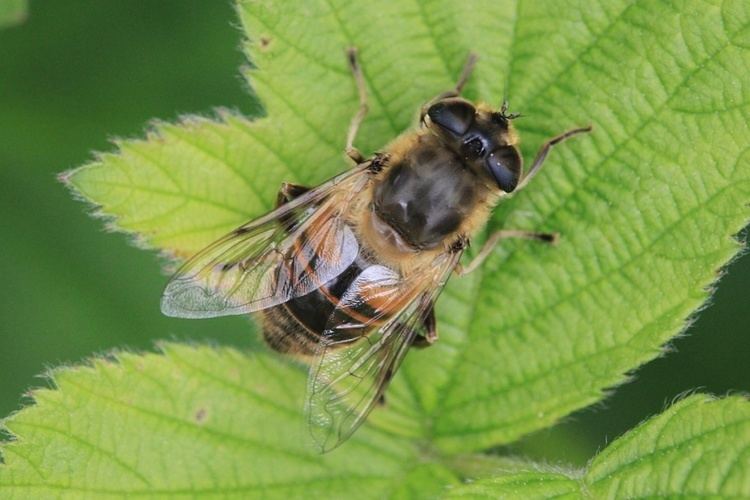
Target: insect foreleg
point(544, 151)
point(496, 238)
point(466, 72)
point(471, 61)
point(359, 79)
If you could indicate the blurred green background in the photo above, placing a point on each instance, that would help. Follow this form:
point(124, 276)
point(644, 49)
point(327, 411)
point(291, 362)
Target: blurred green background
point(77, 73)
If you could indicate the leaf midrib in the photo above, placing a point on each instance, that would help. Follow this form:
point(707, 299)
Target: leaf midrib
point(431, 32)
point(355, 478)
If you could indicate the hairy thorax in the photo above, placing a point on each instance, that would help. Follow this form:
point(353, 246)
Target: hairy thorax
point(423, 201)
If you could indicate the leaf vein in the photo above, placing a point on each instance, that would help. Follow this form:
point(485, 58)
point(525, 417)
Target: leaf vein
point(87, 444)
point(654, 454)
point(221, 436)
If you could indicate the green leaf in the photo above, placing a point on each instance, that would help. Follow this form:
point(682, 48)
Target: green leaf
point(12, 12)
point(696, 448)
point(194, 421)
point(521, 485)
point(201, 421)
point(645, 205)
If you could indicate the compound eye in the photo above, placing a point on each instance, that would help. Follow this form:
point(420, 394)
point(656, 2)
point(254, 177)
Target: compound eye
point(454, 115)
point(504, 163)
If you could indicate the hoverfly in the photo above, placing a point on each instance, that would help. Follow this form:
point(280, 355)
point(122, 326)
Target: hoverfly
point(345, 275)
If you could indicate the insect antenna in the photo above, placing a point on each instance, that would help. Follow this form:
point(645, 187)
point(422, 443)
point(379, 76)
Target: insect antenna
point(504, 110)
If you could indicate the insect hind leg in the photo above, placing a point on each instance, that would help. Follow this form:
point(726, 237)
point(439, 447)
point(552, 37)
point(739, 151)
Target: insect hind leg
point(429, 323)
point(288, 192)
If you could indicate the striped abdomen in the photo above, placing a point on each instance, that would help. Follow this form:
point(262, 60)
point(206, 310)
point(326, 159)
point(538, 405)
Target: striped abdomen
point(295, 326)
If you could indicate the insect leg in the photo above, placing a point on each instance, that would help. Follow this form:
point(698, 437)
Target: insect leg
point(288, 192)
point(430, 326)
point(544, 151)
point(387, 378)
point(359, 79)
point(471, 61)
point(498, 236)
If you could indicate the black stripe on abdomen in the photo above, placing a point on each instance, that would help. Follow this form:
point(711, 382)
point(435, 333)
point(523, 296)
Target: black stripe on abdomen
point(295, 326)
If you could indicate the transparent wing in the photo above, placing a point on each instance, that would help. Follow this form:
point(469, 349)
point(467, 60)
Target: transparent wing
point(287, 253)
point(351, 372)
